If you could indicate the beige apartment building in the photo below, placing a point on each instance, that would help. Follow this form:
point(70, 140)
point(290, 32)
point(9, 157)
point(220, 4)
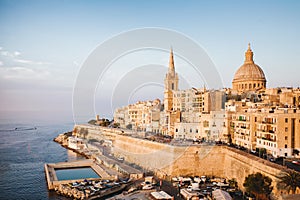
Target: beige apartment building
point(141, 116)
point(276, 130)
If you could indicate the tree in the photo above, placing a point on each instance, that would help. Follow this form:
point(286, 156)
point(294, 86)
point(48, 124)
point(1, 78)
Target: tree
point(116, 125)
point(290, 180)
point(92, 121)
point(233, 183)
point(104, 122)
point(129, 126)
point(262, 152)
point(259, 185)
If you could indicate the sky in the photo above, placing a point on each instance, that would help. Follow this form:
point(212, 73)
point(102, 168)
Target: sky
point(43, 45)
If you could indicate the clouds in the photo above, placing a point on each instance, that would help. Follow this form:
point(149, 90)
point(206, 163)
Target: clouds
point(14, 67)
point(15, 57)
point(33, 86)
point(19, 74)
point(9, 54)
point(31, 62)
point(23, 73)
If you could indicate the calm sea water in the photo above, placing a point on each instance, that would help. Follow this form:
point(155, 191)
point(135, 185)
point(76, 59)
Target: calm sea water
point(24, 151)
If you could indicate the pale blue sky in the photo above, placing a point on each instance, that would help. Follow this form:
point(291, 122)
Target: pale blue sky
point(43, 43)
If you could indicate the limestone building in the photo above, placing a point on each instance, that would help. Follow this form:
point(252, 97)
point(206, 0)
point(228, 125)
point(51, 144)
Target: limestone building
point(270, 125)
point(248, 115)
point(141, 116)
point(249, 77)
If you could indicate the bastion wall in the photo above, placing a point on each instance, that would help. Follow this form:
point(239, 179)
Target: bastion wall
point(169, 160)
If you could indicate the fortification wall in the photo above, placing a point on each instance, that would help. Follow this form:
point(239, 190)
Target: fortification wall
point(169, 161)
point(239, 165)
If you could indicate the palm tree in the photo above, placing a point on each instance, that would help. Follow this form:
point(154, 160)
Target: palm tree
point(290, 180)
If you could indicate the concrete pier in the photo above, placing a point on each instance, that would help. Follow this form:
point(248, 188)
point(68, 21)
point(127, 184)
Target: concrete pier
point(52, 180)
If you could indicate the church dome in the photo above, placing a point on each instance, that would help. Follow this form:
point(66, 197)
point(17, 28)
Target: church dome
point(249, 76)
point(249, 71)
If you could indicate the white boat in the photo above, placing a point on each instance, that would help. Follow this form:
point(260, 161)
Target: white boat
point(197, 179)
point(147, 187)
point(175, 179)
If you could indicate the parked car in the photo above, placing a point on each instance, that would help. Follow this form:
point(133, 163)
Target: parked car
point(272, 159)
point(296, 162)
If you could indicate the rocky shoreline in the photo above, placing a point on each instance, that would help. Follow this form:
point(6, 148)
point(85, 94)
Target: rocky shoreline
point(62, 139)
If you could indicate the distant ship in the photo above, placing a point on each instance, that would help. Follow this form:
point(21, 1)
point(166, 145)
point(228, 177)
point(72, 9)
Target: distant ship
point(25, 129)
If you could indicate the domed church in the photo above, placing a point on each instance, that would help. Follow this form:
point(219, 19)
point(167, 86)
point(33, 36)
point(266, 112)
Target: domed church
point(249, 77)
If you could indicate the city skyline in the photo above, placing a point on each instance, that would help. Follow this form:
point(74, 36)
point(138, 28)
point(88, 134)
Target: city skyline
point(43, 44)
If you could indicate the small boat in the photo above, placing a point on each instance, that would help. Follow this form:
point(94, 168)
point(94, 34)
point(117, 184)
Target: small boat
point(203, 178)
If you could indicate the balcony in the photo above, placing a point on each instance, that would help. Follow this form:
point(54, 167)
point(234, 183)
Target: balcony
point(268, 122)
point(267, 139)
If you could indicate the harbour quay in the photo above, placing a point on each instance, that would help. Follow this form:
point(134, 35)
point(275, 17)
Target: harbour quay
point(53, 181)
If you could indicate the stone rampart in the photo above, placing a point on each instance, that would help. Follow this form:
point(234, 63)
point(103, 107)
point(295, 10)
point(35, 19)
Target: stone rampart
point(169, 161)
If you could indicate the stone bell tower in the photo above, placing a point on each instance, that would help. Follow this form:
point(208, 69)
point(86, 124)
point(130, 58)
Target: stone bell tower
point(171, 84)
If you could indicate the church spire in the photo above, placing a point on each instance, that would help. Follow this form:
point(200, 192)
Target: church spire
point(171, 61)
point(249, 55)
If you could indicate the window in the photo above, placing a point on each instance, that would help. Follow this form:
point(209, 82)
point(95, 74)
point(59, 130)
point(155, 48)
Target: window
point(196, 130)
point(286, 129)
point(176, 130)
point(286, 137)
point(286, 120)
point(191, 130)
point(285, 146)
point(206, 124)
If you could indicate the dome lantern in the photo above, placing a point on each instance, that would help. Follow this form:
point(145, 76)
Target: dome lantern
point(249, 55)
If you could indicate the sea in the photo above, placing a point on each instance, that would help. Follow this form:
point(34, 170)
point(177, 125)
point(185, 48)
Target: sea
point(24, 149)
